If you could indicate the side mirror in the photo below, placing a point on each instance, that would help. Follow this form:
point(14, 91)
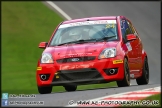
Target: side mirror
point(43, 45)
point(131, 37)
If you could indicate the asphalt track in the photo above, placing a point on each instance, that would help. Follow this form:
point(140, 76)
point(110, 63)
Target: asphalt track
point(146, 18)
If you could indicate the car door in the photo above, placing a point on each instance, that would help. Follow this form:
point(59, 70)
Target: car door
point(137, 47)
point(130, 50)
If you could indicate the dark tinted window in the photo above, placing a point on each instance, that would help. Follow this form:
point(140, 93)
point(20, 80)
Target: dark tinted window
point(128, 29)
point(122, 28)
point(133, 29)
point(125, 28)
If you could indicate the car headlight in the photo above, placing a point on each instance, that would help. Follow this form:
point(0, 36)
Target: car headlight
point(108, 53)
point(46, 58)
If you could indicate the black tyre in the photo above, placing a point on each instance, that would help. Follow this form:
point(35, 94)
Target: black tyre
point(70, 87)
point(126, 81)
point(144, 79)
point(45, 90)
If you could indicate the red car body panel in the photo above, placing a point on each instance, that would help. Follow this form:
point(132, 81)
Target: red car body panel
point(135, 57)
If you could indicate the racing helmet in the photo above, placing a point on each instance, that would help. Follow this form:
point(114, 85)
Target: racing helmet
point(76, 33)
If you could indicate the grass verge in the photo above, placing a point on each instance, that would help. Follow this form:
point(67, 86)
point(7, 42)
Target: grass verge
point(24, 25)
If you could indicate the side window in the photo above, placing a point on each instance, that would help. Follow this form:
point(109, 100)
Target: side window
point(135, 32)
point(130, 26)
point(129, 29)
point(133, 29)
point(125, 28)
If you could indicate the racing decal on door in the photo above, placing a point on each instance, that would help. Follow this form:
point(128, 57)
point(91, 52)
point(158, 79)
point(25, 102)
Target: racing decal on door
point(129, 47)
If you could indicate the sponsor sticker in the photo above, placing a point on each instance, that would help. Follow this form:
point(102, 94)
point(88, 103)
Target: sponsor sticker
point(129, 47)
point(117, 61)
point(39, 68)
point(88, 23)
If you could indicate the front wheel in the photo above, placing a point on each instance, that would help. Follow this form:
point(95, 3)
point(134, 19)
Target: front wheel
point(70, 87)
point(126, 81)
point(45, 90)
point(144, 79)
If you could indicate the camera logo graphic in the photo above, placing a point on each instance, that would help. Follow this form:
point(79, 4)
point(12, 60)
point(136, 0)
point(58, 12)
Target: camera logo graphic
point(4, 95)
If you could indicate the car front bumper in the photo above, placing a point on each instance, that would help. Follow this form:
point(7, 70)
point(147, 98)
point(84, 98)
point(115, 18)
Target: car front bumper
point(89, 72)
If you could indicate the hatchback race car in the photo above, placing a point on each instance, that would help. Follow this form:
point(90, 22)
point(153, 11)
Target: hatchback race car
point(90, 51)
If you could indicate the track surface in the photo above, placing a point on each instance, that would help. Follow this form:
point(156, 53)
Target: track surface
point(146, 18)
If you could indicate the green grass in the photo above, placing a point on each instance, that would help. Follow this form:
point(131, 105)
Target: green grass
point(24, 26)
point(155, 97)
point(152, 98)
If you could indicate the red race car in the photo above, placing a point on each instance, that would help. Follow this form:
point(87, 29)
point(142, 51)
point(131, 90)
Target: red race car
point(92, 50)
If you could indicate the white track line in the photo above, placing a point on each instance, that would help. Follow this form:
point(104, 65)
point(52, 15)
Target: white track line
point(59, 10)
point(155, 88)
point(141, 95)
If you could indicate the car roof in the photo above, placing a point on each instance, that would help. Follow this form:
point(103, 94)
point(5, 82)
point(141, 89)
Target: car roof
point(92, 18)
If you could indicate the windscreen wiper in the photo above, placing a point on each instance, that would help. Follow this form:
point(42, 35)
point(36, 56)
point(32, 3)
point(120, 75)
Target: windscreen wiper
point(65, 43)
point(105, 38)
point(85, 41)
point(77, 42)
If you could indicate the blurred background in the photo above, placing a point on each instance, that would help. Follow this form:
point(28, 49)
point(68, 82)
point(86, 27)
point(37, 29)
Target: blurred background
point(26, 24)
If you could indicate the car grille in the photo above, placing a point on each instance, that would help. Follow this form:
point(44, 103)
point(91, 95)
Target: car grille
point(79, 74)
point(80, 59)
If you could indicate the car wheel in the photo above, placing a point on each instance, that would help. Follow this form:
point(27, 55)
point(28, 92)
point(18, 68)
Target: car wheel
point(45, 90)
point(126, 81)
point(70, 87)
point(144, 79)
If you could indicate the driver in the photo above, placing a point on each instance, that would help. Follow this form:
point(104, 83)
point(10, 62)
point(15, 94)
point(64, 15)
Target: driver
point(74, 34)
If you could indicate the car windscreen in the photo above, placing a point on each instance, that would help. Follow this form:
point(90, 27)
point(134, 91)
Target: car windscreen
point(88, 30)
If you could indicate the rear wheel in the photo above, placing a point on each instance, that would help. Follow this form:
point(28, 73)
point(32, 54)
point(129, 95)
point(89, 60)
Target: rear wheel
point(126, 81)
point(70, 87)
point(45, 90)
point(144, 79)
